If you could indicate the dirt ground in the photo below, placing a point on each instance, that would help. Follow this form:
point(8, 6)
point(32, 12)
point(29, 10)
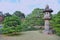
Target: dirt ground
point(31, 35)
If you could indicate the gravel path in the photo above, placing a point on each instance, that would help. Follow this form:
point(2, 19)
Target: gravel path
point(31, 35)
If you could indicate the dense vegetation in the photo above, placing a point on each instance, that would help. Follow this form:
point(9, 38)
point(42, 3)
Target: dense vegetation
point(18, 22)
point(55, 23)
point(36, 17)
point(11, 24)
point(33, 19)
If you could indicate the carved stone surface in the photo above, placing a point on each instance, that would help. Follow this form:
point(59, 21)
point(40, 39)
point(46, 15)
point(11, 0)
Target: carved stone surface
point(47, 18)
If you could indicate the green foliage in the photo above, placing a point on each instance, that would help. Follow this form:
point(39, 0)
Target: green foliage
point(7, 14)
point(36, 17)
point(55, 22)
point(19, 14)
point(11, 24)
point(33, 19)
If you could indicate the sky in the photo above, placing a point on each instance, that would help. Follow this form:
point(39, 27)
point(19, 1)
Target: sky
point(26, 6)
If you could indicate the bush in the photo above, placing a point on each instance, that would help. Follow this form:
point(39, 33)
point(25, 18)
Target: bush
point(11, 24)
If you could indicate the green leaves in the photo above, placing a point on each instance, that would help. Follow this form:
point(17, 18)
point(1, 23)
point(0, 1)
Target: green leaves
point(11, 24)
point(19, 14)
point(33, 19)
point(36, 17)
point(56, 23)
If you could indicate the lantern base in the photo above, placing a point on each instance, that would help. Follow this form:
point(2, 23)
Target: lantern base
point(47, 32)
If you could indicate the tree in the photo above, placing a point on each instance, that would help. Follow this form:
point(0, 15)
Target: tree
point(55, 22)
point(19, 14)
point(1, 14)
point(1, 17)
point(11, 25)
point(7, 14)
point(36, 17)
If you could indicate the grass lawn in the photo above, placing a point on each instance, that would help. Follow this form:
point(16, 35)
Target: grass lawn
point(31, 35)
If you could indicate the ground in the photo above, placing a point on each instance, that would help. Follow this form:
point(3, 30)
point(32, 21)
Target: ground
point(31, 35)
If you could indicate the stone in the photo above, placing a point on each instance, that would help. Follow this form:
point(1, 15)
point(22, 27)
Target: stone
point(47, 12)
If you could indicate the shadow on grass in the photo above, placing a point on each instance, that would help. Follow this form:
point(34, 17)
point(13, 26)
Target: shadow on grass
point(17, 34)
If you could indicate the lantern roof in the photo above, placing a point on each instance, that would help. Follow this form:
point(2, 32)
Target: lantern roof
point(47, 9)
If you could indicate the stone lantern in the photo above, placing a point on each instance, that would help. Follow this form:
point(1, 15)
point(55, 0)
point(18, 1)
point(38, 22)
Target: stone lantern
point(47, 17)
